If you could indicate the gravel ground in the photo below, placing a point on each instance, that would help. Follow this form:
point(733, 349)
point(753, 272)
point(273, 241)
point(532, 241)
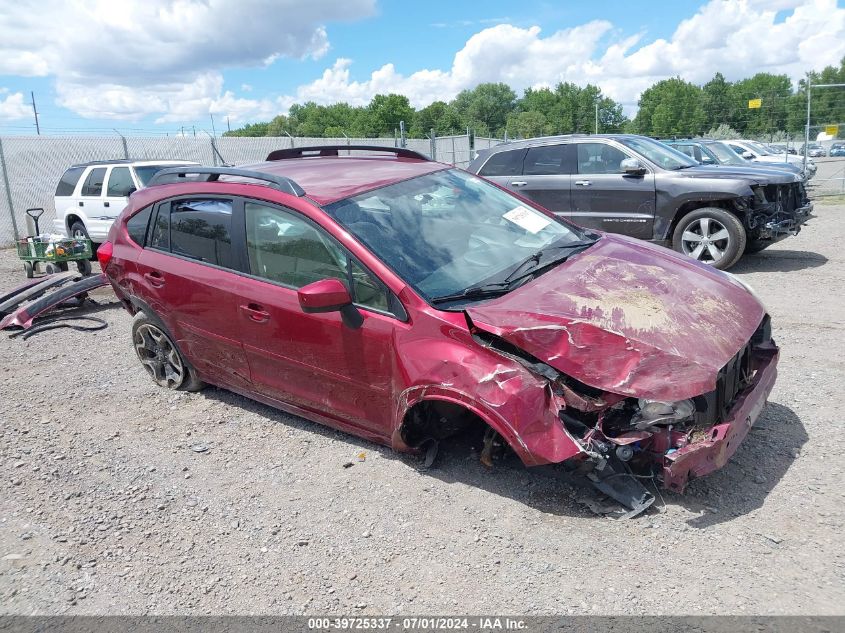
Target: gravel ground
point(106, 507)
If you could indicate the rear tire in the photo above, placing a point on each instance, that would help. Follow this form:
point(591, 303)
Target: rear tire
point(52, 269)
point(160, 356)
point(712, 236)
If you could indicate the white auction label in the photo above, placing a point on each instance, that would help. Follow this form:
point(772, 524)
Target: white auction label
point(528, 219)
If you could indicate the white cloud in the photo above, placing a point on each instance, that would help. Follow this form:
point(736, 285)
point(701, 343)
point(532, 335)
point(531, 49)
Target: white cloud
point(736, 37)
point(128, 59)
point(12, 107)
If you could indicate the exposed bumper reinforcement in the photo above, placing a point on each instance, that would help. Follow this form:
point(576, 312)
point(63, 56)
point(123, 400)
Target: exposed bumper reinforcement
point(705, 456)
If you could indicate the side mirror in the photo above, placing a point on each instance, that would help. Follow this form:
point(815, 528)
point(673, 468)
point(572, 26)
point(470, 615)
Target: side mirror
point(706, 160)
point(632, 167)
point(748, 156)
point(130, 191)
point(329, 295)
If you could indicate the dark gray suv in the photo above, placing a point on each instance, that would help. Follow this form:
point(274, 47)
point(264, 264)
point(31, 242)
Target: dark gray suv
point(640, 187)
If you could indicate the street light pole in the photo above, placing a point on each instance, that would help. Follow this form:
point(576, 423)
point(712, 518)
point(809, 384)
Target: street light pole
point(807, 127)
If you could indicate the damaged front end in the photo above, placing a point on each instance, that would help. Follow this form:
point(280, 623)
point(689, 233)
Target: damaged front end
point(626, 441)
point(776, 211)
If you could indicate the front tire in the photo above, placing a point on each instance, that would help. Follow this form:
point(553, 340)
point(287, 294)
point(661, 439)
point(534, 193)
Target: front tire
point(712, 236)
point(160, 356)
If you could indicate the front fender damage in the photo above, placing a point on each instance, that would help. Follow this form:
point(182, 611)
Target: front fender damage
point(578, 415)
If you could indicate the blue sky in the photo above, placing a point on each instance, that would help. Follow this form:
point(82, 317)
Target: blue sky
point(159, 65)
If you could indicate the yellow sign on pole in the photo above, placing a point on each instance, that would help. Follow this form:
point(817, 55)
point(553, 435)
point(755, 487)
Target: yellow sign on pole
point(831, 130)
point(755, 103)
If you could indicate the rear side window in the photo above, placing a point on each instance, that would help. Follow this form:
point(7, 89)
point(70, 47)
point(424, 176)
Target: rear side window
point(504, 164)
point(545, 161)
point(68, 182)
point(136, 226)
point(94, 183)
point(120, 183)
point(201, 229)
point(160, 233)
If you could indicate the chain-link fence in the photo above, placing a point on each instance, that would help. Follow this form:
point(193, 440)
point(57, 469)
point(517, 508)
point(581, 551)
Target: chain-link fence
point(31, 166)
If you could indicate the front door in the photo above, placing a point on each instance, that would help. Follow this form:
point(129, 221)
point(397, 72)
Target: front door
point(314, 361)
point(604, 197)
point(186, 275)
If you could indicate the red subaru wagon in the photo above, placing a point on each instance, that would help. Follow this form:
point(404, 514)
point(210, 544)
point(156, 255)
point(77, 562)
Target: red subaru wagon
point(404, 300)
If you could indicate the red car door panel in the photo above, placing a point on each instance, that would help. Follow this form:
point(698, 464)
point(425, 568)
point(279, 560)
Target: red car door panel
point(310, 360)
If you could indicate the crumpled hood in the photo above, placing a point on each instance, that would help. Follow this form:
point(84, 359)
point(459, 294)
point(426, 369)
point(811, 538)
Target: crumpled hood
point(630, 318)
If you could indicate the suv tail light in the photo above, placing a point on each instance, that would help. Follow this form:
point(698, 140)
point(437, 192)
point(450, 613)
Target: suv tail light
point(104, 255)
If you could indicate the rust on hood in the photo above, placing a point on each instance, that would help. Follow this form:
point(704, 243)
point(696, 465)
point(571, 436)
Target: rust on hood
point(620, 319)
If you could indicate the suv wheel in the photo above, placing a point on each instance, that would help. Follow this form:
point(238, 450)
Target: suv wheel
point(160, 357)
point(712, 236)
point(78, 230)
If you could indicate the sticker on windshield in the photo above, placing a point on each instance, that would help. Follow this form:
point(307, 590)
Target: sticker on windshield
point(528, 219)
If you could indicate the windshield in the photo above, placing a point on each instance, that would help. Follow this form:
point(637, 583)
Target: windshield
point(658, 153)
point(146, 172)
point(449, 231)
point(725, 155)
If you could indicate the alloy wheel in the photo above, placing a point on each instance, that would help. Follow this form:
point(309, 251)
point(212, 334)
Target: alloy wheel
point(159, 357)
point(706, 240)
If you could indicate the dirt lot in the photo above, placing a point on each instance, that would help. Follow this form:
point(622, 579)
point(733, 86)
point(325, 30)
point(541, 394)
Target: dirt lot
point(105, 506)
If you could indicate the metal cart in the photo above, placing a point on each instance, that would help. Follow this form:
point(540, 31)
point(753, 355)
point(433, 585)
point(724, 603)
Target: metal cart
point(57, 254)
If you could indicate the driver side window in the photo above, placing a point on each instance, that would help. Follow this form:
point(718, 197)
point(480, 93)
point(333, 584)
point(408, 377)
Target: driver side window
point(287, 249)
point(598, 158)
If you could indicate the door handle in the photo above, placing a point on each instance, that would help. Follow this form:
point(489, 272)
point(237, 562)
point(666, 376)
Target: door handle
point(106, 203)
point(518, 183)
point(583, 183)
point(155, 278)
point(255, 312)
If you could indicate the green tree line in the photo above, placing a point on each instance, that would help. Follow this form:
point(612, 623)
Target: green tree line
point(671, 107)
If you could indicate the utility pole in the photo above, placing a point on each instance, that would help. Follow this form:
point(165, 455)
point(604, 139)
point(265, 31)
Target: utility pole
point(194, 128)
point(228, 127)
point(597, 117)
point(35, 112)
point(213, 131)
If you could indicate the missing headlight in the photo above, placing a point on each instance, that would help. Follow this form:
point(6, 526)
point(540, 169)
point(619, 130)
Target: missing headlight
point(656, 412)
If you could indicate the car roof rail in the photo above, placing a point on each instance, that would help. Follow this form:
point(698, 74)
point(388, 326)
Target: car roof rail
point(334, 150)
point(212, 174)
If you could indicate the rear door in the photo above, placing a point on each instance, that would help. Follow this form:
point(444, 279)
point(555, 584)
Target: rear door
point(91, 195)
point(545, 178)
point(118, 187)
point(314, 361)
point(605, 197)
point(188, 275)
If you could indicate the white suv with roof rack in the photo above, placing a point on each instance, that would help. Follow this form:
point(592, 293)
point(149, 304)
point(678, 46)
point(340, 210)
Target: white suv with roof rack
point(91, 195)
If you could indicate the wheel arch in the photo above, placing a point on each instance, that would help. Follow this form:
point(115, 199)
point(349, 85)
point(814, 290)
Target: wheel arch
point(410, 430)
